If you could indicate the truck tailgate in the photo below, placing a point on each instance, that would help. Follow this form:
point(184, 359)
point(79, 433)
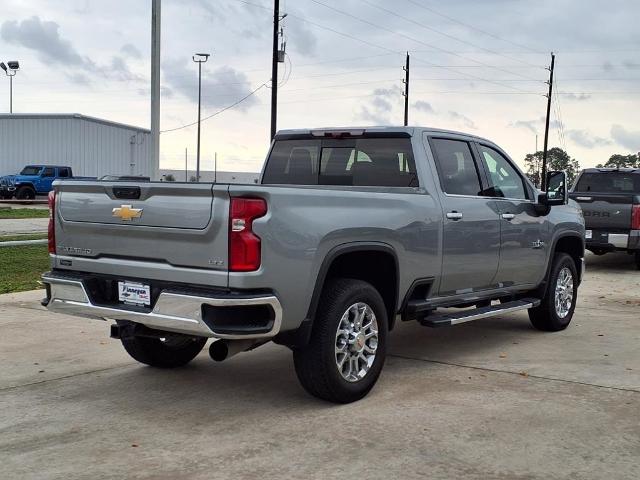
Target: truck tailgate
point(605, 211)
point(170, 224)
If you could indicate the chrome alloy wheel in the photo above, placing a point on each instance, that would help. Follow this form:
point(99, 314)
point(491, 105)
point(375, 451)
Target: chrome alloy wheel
point(564, 292)
point(356, 342)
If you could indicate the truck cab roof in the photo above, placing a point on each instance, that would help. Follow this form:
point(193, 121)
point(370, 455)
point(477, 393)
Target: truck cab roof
point(373, 130)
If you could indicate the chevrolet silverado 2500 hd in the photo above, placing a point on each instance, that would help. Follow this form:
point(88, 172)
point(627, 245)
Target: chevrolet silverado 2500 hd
point(348, 230)
point(610, 202)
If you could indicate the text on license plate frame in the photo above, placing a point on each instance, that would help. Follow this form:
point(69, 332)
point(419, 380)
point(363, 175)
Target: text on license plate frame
point(588, 234)
point(134, 293)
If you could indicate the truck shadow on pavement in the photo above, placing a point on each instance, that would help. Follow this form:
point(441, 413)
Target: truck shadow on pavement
point(610, 262)
point(266, 378)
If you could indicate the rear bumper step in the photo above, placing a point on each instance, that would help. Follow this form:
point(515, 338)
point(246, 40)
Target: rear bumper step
point(174, 312)
point(449, 319)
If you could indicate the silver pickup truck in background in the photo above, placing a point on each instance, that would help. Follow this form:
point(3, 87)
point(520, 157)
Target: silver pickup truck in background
point(348, 230)
point(610, 202)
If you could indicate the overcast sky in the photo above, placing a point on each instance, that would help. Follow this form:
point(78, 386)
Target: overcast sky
point(477, 66)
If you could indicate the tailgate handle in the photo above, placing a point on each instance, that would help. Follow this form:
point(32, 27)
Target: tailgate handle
point(126, 193)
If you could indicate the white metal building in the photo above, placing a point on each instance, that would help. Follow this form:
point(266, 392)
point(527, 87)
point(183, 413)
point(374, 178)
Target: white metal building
point(90, 146)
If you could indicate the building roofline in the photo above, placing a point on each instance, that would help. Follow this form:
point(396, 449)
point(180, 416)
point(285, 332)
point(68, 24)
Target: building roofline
point(71, 116)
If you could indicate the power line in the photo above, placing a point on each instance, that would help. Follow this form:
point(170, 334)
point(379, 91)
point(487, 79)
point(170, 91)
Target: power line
point(367, 22)
point(453, 37)
point(219, 111)
point(454, 20)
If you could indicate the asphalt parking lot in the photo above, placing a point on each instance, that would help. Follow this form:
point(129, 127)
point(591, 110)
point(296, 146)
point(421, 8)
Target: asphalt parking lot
point(493, 399)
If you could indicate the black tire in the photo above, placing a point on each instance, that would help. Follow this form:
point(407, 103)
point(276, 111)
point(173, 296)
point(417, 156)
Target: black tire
point(176, 351)
point(545, 317)
point(638, 260)
point(598, 251)
point(316, 364)
point(25, 193)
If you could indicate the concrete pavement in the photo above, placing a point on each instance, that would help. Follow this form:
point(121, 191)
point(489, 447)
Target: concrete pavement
point(490, 399)
point(10, 226)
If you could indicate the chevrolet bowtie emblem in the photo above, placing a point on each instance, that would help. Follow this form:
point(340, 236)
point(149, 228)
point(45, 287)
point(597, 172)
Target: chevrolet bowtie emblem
point(125, 212)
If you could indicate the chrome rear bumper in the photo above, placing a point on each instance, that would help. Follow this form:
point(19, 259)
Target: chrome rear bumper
point(174, 312)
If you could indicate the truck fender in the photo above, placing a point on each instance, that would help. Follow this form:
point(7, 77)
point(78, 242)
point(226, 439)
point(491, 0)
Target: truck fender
point(301, 336)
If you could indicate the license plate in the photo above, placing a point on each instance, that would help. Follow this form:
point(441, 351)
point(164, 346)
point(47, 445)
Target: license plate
point(134, 293)
point(588, 234)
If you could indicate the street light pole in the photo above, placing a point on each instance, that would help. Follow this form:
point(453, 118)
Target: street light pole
point(10, 70)
point(199, 58)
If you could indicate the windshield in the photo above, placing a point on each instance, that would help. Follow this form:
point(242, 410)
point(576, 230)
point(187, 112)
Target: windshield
point(609, 182)
point(30, 171)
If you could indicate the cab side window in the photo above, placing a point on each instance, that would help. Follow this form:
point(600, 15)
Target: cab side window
point(505, 181)
point(456, 167)
point(64, 173)
point(49, 172)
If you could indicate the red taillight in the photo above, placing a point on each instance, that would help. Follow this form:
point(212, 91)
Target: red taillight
point(635, 217)
point(52, 228)
point(244, 245)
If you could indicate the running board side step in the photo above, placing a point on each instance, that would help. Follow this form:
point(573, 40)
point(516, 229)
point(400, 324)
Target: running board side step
point(449, 319)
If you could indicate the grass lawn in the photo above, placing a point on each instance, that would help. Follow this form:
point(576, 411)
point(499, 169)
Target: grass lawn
point(21, 267)
point(23, 213)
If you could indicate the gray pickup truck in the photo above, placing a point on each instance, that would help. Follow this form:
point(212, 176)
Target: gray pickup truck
point(347, 231)
point(610, 201)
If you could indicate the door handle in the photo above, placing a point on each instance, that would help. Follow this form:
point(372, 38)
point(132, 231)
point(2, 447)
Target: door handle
point(454, 215)
point(508, 216)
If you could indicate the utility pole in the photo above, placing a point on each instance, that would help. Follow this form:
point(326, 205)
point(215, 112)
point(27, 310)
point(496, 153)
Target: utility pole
point(199, 58)
point(274, 68)
point(215, 167)
point(543, 175)
point(186, 166)
point(406, 92)
point(155, 87)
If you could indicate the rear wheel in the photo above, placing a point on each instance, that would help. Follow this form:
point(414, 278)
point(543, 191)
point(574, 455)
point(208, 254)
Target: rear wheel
point(347, 349)
point(170, 351)
point(556, 309)
point(25, 193)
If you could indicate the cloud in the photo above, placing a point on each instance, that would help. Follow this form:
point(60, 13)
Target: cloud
point(131, 51)
point(626, 138)
point(462, 119)
point(303, 40)
point(378, 113)
point(630, 64)
point(577, 97)
point(585, 139)
point(607, 66)
point(44, 38)
point(526, 124)
point(119, 70)
point(221, 87)
point(423, 106)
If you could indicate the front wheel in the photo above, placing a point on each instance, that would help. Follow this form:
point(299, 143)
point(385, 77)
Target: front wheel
point(347, 350)
point(172, 350)
point(556, 308)
point(25, 193)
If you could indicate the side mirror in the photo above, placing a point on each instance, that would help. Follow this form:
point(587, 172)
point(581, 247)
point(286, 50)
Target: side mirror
point(557, 190)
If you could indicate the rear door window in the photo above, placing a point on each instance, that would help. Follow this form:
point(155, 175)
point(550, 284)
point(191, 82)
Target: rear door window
point(609, 182)
point(386, 162)
point(456, 167)
point(49, 172)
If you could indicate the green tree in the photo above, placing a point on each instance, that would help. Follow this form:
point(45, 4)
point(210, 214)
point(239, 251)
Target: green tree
point(557, 159)
point(621, 161)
